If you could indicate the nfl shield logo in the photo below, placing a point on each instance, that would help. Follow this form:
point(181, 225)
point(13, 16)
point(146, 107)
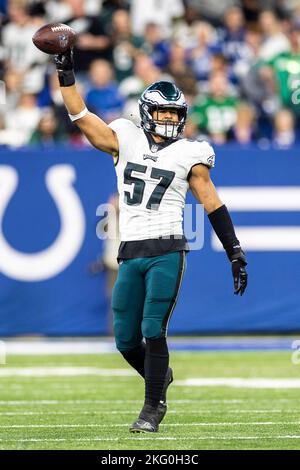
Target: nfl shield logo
point(154, 148)
point(63, 40)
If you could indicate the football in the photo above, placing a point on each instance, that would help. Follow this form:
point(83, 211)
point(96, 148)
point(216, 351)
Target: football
point(54, 38)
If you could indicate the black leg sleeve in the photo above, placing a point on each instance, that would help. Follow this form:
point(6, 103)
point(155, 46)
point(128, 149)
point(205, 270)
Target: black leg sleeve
point(136, 358)
point(156, 366)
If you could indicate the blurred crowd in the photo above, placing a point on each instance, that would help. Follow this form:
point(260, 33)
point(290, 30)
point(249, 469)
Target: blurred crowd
point(237, 62)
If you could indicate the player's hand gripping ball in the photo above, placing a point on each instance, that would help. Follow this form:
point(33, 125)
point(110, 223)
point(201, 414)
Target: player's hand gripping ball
point(54, 38)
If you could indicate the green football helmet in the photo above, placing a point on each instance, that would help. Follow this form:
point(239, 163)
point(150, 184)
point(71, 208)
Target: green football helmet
point(159, 96)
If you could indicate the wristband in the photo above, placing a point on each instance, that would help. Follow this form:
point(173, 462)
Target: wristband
point(66, 77)
point(75, 117)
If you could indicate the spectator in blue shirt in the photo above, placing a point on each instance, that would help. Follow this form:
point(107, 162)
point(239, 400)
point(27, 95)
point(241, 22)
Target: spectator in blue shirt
point(103, 97)
point(3, 6)
point(232, 35)
point(157, 48)
point(199, 56)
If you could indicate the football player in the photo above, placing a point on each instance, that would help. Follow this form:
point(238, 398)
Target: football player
point(155, 167)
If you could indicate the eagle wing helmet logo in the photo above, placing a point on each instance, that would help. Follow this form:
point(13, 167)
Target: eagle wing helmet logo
point(158, 96)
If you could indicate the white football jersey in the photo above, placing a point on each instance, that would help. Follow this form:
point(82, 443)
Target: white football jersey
point(153, 181)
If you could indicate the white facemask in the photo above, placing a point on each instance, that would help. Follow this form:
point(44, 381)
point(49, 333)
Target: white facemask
point(167, 130)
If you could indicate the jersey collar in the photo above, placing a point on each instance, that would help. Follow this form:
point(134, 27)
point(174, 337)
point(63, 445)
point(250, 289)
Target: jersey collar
point(156, 146)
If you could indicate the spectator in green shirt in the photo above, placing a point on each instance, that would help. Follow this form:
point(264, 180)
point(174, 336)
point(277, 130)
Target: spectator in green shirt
point(215, 113)
point(125, 44)
point(48, 132)
point(286, 73)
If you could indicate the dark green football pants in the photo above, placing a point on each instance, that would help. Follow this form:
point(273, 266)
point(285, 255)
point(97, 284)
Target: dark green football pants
point(144, 297)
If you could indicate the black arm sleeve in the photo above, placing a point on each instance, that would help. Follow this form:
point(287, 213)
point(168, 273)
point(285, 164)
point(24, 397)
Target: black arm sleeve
point(223, 226)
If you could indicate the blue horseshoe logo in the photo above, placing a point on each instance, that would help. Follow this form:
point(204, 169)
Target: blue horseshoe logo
point(57, 257)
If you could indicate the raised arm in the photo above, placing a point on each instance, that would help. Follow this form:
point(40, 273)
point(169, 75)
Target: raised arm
point(205, 192)
point(97, 131)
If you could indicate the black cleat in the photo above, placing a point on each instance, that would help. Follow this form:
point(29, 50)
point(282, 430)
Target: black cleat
point(147, 420)
point(140, 425)
point(162, 407)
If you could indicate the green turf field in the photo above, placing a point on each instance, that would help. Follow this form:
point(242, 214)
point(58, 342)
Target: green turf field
point(94, 411)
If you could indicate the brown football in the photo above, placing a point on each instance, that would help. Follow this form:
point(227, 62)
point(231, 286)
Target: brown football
point(54, 38)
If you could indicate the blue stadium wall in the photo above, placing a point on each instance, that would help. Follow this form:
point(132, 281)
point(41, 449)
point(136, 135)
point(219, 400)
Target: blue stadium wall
point(45, 284)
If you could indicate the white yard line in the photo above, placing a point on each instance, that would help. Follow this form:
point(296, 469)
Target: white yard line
point(237, 382)
point(96, 425)
point(32, 348)
point(154, 438)
point(121, 411)
point(98, 401)
point(64, 371)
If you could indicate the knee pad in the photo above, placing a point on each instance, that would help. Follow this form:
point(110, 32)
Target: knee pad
point(152, 328)
point(125, 338)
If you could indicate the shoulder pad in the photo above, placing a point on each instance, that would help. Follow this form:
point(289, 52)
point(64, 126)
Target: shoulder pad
point(200, 151)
